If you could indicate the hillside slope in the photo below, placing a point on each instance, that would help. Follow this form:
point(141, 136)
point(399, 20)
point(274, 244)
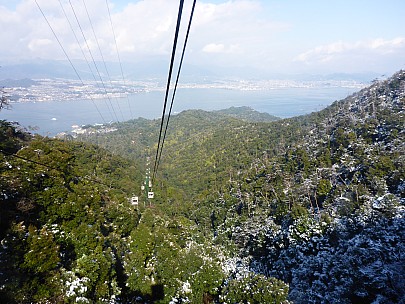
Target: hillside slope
point(316, 201)
point(310, 207)
point(327, 214)
point(70, 235)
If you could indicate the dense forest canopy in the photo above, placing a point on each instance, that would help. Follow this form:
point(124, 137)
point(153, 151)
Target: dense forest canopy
point(248, 208)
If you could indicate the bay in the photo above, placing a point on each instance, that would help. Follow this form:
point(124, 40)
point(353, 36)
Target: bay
point(49, 118)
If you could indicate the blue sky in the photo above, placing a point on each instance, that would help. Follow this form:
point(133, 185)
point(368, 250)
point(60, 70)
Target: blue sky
point(289, 36)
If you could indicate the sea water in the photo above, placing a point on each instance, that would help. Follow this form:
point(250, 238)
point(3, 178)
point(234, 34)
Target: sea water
point(52, 117)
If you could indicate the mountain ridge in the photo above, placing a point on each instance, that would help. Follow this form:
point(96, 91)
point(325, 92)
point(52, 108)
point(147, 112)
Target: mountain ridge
point(157, 68)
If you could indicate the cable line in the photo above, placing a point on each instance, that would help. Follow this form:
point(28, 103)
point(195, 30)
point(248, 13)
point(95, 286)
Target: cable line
point(118, 54)
point(102, 58)
point(80, 46)
point(168, 84)
point(77, 39)
point(94, 61)
point(67, 56)
point(177, 78)
point(57, 169)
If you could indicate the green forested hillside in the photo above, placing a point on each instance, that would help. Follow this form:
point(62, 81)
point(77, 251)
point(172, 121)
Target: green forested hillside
point(305, 210)
point(202, 149)
point(275, 188)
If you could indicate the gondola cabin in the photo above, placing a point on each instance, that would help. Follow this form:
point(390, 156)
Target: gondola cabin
point(151, 195)
point(134, 200)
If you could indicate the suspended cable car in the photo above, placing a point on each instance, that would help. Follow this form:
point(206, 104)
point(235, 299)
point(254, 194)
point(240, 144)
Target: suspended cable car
point(134, 200)
point(151, 194)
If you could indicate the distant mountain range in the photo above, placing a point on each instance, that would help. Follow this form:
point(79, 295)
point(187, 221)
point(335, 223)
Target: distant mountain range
point(9, 83)
point(155, 69)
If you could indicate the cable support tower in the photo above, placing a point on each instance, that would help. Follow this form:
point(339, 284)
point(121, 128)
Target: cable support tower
point(168, 85)
point(177, 79)
point(68, 58)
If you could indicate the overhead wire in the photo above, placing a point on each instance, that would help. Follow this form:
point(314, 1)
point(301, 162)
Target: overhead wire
point(79, 44)
point(58, 169)
point(168, 84)
point(94, 61)
point(118, 54)
point(161, 139)
point(177, 79)
point(102, 57)
point(67, 56)
point(77, 39)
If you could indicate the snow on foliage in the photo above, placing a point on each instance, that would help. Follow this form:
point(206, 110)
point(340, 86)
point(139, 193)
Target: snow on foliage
point(334, 233)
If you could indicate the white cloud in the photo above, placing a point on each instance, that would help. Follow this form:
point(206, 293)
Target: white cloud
point(220, 48)
point(143, 28)
point(336, 50)
point(214, 48)
point(224, 33)
point(234, 33)
point(34, 44)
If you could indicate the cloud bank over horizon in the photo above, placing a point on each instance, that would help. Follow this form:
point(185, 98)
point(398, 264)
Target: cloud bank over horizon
point(266, 35)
